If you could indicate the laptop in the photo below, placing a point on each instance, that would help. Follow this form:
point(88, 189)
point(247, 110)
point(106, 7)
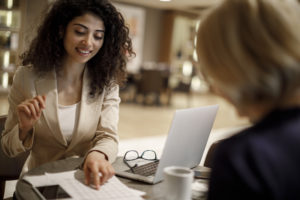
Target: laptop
point(184, 146)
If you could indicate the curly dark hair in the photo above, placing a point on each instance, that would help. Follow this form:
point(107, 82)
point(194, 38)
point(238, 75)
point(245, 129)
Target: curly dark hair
point(46, 50)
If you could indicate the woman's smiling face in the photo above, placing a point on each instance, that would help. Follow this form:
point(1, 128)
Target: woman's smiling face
point(83, 38)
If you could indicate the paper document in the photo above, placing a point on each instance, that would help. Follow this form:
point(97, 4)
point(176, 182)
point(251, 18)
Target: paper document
point(73, 183)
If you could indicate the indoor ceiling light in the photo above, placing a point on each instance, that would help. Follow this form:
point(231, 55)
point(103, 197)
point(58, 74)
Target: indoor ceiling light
point(5, 80)
point(165, 0)
point(9, 4)
point(8, 18)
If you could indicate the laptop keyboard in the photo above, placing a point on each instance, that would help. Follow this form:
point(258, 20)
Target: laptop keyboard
point(146, 169)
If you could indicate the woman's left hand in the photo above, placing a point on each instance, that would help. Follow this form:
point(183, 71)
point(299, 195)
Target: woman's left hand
point(95, 162)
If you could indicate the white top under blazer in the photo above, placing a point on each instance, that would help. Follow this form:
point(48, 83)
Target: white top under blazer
point(68, 117)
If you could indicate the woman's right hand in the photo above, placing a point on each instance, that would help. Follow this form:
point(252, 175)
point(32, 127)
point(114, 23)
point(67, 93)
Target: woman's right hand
point(29, 111)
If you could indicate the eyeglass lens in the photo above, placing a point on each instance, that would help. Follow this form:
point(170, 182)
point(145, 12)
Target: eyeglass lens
point(149, 155)
point(131, 155)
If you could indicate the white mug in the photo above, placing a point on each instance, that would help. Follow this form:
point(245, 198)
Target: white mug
point(177, 183)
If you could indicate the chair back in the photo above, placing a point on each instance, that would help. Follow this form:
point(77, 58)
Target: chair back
point(10, 168)
point(151, 81)
point(210, 154)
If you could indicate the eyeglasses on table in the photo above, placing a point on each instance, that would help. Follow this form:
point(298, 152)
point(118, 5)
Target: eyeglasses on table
point(132, 155)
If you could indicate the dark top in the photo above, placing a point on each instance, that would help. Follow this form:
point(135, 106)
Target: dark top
point(262, 162)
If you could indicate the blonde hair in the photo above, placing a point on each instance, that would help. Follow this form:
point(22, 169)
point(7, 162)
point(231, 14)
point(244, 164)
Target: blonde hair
point(250, 50)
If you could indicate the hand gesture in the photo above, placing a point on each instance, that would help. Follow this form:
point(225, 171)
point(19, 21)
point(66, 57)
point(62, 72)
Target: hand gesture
point(95, 162)
point(29, 111)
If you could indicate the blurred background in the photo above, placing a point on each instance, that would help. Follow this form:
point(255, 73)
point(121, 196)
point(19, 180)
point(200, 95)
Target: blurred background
point(162, 77)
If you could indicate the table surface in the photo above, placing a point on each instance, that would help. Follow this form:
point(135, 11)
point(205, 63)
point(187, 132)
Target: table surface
point(24, 189)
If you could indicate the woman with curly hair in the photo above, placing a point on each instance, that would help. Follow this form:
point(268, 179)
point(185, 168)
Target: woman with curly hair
point(64, 100)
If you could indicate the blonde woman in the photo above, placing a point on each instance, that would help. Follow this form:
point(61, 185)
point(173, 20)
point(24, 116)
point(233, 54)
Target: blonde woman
point(249, 53)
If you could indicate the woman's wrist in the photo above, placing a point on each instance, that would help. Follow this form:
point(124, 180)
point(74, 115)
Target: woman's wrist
point(103, 155)
point(24, 133)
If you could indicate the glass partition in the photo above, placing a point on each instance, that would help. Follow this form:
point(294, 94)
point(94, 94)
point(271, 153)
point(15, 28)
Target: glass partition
point(10, 22)
point(10, 4)
point(9, 19)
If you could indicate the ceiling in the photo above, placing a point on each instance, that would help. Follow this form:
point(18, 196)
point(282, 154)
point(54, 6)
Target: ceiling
point(186, 5)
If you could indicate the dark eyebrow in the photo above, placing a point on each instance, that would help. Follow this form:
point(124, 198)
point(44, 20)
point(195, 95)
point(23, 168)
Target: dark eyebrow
point(83, 26)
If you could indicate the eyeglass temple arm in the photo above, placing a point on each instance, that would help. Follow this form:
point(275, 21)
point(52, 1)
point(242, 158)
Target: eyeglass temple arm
point(131, 168)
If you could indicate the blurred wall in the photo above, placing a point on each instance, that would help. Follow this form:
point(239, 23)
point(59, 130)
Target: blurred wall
point(152, 38)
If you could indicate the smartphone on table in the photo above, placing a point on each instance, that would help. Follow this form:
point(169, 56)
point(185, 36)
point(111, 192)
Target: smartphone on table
point(50, 192)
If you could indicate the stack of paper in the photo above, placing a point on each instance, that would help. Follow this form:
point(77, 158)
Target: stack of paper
point(73, 183)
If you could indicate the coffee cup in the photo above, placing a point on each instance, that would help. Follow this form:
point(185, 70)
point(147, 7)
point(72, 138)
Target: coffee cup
point(177, 183)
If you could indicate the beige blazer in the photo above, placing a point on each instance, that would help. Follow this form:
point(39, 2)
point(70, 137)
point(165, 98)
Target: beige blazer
point(96, 128)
